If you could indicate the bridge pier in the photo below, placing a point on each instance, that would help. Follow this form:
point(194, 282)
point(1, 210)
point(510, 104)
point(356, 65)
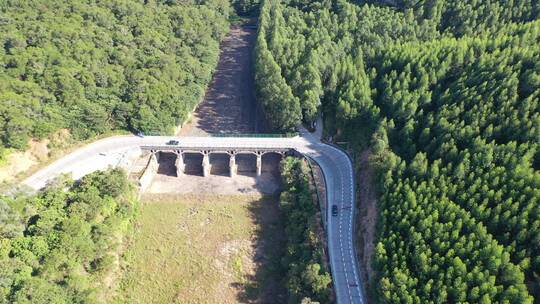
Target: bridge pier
point(259, 164)
point(189, 161)
point(206, 164)
point(180, 166)
point(233, 167)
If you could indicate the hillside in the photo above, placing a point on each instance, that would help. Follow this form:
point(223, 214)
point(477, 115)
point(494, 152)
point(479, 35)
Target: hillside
point(64, 244)
point(104, 65)
point(439, 98)
point(445, 95)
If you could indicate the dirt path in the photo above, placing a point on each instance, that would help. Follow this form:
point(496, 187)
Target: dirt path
point(229, 103)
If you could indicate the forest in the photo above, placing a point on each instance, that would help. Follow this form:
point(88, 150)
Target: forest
point(96, 66)
point(62, 245)
point(445, 96)
point(246, 7)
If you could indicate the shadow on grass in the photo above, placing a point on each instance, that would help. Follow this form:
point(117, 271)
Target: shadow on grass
point(266, 285)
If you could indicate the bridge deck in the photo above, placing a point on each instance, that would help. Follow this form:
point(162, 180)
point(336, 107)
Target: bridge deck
point(229, 149)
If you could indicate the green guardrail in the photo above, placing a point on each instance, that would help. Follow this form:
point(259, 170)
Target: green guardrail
point(153, 133)
point(259, 135)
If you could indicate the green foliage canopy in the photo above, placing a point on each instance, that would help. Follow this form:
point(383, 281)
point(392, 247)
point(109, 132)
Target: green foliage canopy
point(446, 95)
point(67, 244)
point(305, 278)
point(105, 65)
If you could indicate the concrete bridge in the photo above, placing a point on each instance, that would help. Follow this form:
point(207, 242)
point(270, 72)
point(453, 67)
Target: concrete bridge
point(208, 157)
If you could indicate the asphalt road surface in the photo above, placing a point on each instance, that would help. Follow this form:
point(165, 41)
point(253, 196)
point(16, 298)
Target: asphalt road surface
point(335, 164)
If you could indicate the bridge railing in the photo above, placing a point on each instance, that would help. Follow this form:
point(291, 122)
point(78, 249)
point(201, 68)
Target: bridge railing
point(256, 135)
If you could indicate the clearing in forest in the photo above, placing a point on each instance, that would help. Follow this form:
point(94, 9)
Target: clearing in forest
point(205, 249)
point(229, 103)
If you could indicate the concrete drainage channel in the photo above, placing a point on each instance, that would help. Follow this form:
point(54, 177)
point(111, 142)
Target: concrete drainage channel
point(148, 173)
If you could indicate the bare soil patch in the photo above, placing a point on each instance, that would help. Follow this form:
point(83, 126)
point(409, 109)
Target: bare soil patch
point(229, 104)
point(39, 152)
point(267, 183)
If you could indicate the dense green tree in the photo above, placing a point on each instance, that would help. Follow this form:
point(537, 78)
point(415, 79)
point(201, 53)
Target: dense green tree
point(63, 253)
point(306, 279)
point(446, 96)
point(10, 222)
point(105, 65)
point(245, 7)
point(280, 105)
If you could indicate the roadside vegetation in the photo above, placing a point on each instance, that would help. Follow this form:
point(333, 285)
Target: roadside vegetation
point(445, 96)
point(108, 65)
point(63, 244)
point(307, 276)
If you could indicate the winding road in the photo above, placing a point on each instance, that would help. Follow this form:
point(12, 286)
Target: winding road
point(335, 164)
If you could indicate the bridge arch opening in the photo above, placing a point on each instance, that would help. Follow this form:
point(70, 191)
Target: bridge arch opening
point(193, 163)
point(166, 163)
point(220, 162)
point(270, 163)
point(247, 163)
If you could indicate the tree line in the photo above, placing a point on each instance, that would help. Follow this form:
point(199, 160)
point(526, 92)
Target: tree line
point(105, 65)
point(307, 279)
point(446, 96)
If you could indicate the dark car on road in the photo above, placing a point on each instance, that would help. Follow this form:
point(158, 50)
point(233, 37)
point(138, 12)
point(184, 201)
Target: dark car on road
point(172, 142)
point(334, 210)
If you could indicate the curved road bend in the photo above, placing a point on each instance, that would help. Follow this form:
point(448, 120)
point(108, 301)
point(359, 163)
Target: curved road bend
point(339, 178)
point(335, 164)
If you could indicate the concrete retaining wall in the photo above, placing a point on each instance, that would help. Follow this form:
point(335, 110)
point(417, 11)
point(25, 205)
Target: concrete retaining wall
point(148, 175)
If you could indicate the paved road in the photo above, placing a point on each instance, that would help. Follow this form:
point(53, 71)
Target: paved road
point(339, 177)
point(335, 164)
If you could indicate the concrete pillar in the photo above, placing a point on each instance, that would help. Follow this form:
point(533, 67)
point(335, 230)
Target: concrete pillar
point(206, 164)
point(233, 167)
point(259, 164)
point(180, 166)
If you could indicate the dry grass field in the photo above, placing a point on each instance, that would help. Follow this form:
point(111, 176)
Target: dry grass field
point(204, 249)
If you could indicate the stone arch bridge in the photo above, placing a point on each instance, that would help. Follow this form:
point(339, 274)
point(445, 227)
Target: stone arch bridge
point(206, 161)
